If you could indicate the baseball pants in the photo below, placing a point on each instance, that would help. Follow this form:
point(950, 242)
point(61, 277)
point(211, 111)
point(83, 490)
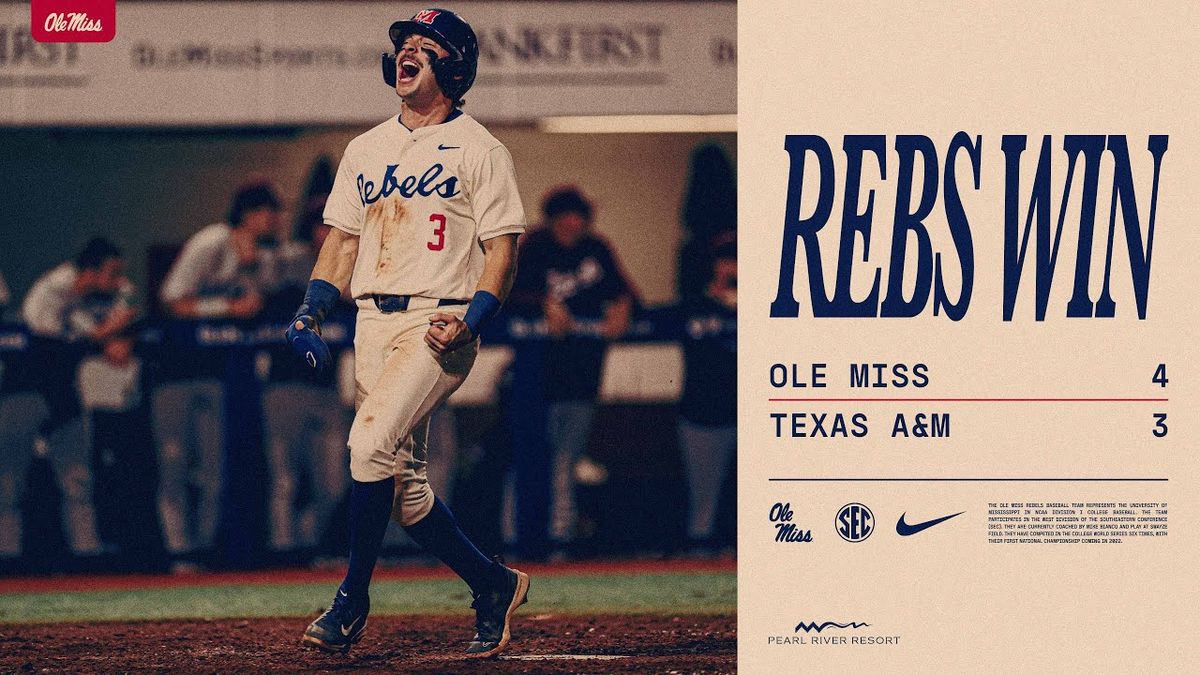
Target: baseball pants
point(70, 455)
point(570, 426)
point(306, 437)
point(400, 381)
point(707, 455)
point(190, 434)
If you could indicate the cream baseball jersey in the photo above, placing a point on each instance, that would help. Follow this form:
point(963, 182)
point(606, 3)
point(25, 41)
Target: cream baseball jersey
point(421, 202)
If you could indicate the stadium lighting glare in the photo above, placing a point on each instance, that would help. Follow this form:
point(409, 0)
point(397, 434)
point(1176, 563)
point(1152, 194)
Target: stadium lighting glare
point(638, 124)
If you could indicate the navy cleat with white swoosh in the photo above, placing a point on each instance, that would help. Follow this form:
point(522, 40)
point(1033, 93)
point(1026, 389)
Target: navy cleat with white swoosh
point(493, 614)
point(905, 530)
point(341, 626)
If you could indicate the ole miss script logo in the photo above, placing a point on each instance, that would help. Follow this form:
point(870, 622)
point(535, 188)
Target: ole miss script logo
point(73, 20)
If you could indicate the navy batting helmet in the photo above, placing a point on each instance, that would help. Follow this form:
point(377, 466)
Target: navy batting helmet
point(454, 74)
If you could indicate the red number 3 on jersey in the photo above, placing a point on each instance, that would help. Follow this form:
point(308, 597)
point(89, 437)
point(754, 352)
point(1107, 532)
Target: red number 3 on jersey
point(439, 232)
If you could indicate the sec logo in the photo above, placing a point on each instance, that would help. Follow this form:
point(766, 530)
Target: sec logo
point(854, 522)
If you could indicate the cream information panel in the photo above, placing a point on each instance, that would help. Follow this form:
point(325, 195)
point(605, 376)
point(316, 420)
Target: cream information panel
point(970, 246)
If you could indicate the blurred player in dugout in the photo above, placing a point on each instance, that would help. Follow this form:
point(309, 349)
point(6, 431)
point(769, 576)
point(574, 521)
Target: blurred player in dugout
point(570, 277)
point(708, 406)
point(222, 272)
point(306, 417)
point(707, 284)
point(5, 296)
point(69, 311)
point(112, 386)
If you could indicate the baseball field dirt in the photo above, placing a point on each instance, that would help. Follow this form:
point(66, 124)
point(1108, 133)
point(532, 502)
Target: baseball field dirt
point(543, 643)
point(621, 617)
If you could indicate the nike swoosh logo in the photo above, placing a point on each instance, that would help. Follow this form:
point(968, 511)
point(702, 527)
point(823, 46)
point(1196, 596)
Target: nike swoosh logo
point(346, 629)
point(449, 147)
point(905, 530)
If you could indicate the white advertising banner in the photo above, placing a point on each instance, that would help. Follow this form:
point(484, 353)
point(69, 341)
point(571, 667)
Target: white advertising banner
point(284, 63)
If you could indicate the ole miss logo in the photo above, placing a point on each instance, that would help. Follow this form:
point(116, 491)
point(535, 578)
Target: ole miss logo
point(73, 20)
point(426, 16)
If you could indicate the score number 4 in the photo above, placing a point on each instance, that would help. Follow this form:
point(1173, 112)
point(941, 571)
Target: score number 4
point(1160, 419)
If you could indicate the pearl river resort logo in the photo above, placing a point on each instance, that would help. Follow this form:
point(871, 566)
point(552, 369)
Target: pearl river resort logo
point(833, 633)
point(818, 627)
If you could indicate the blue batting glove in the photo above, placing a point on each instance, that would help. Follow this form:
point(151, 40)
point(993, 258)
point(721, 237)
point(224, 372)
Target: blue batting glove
point(306, 342)
point(304, 332)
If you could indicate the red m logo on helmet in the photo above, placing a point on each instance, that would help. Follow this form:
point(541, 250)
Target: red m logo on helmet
point(426, 16)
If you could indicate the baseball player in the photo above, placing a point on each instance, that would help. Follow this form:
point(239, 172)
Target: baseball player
point(426, 216)
point(222, 272)
point(305, 419)
point(78, 303)
point(708, 409)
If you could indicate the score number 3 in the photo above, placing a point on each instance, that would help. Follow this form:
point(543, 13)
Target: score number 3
point(439, 232)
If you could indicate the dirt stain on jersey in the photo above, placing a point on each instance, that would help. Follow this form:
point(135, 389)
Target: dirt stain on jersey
point(388, 215)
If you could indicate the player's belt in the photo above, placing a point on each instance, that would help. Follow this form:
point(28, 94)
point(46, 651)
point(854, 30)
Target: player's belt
point(403, 303)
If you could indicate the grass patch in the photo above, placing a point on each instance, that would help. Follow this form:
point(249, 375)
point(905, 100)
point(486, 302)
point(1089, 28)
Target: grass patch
point(689, 593)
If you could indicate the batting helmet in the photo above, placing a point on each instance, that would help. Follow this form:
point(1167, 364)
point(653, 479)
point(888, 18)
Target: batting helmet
point(454, 74)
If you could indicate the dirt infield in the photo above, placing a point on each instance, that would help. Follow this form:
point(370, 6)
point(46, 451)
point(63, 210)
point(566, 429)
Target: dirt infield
point(414, 644)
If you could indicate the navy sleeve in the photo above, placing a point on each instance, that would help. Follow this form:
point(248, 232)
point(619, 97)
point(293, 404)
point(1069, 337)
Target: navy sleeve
point(614, 284)
point(529, 286)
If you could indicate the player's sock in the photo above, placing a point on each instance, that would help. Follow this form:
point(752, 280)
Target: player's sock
point(370, 512)
point(438, 533)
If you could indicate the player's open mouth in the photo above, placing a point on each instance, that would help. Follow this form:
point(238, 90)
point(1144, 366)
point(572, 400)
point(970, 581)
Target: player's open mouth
point(408, 70)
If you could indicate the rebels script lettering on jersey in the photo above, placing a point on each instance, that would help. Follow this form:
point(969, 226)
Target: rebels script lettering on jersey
point(411, 186)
